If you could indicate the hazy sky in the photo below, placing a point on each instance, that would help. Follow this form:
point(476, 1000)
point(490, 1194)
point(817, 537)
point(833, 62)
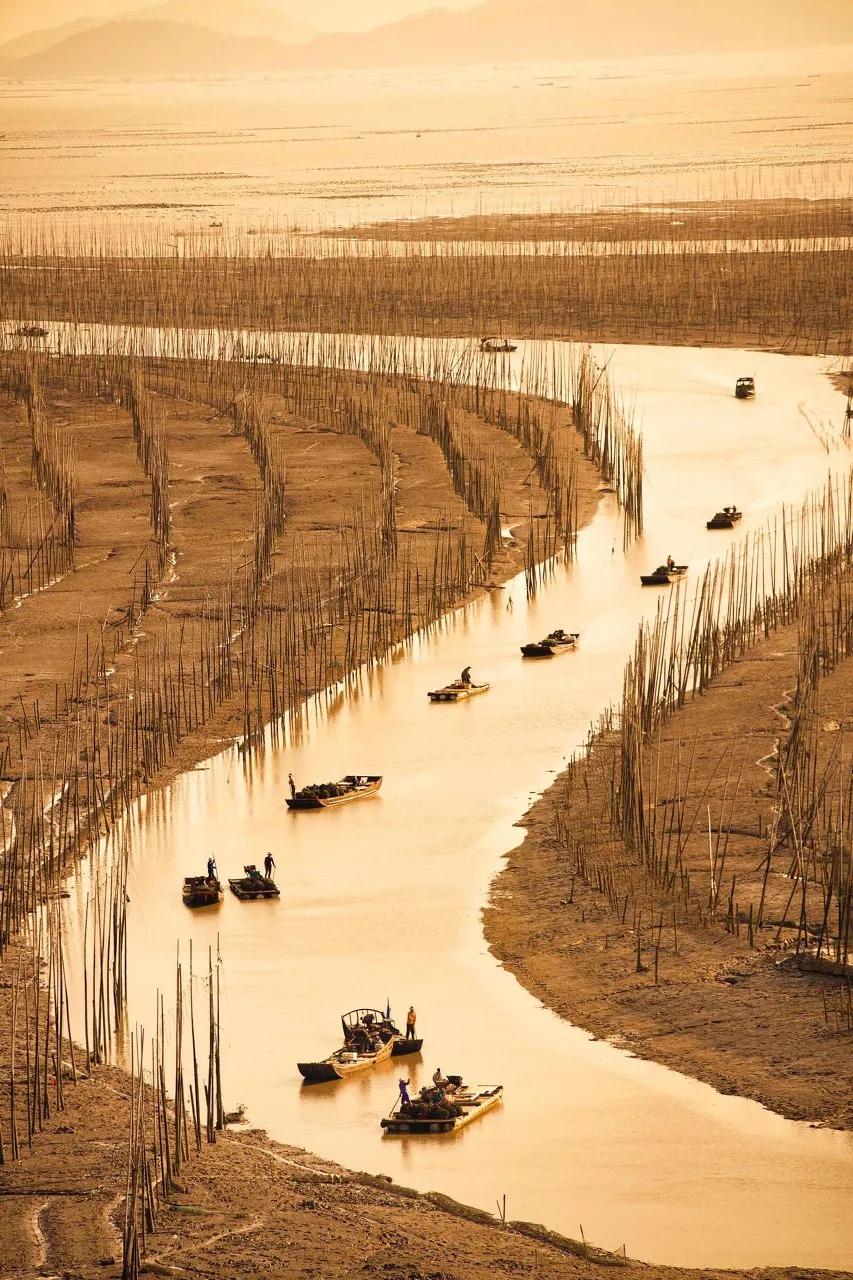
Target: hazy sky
point(335, 15)
point(344, 15)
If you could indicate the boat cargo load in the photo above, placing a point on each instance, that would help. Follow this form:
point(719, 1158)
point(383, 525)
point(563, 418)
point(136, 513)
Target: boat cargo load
point(441, 1110)
point(725, 519)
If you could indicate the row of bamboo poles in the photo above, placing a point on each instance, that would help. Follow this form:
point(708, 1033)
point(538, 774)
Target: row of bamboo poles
point(790, 293)
point(638, 848)
point(39, 1035)
point(272, 640)
point(275, 634)
point(37, 547)
point(161, 1137)
point(555, 375)
point(812, 835)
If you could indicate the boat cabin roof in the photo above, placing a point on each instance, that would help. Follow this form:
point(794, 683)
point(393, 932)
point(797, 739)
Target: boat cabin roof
point(355, 1016)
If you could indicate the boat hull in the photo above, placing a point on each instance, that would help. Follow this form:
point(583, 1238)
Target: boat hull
point(664, 579)
point(544, 650)
point(339, 1067)
point(209, 898)
point(298, 802)
point(452, 693)
point(723, 522)
point(402, 1048)
point(248, 890)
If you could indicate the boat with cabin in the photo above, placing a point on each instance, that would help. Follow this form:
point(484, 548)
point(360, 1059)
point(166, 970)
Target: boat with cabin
point(370, 1037)
point(725, 519)
point(201, 891)
point(441, 1110)
point(325, 795)
point(252, 885)
point(31, 331)
point(745, 388)
point(457, 691)
point(555, 642)
point(664, 575)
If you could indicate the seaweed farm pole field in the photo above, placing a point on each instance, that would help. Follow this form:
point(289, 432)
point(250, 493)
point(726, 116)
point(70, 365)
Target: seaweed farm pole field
point(657, 880)
point(280, 627)
point(790, 293)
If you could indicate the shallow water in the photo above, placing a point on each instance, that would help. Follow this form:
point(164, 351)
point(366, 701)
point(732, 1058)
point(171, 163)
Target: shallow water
point(382, 899)
point(349, 146)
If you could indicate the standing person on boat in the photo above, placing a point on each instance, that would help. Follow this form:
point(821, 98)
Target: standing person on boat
point(403, 1086)
point(670, 563)
point(466, 676)
point(211, 868)
point(292, 785)
point(269, 863)
point(411, 1019)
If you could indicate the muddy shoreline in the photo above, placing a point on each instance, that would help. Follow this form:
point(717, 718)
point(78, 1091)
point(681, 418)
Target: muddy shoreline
point(741, 1016)
point(258, 1209)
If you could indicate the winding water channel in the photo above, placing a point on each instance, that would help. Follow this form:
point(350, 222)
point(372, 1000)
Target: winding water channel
point(383, 899)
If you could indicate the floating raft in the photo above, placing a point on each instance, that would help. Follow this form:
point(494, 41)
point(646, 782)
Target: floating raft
point(662, 576)
point(199, 891)
point(553, 644)
point(457, 692)
point(474, 1101)
point(325, 795)
point(253, 885)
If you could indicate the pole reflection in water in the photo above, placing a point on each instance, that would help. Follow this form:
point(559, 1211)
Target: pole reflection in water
point(382, 898)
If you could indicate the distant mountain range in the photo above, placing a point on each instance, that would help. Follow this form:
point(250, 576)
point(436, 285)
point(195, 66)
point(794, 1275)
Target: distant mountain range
point(221, 37)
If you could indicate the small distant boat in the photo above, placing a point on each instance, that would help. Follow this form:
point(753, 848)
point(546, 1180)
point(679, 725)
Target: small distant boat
point(497, 346)
point(663, 575)
point(201, 891)
point(725, 519)
point(555, 642)
point(31, 331)
point(370, 1037)
point(435, 1112)
point(457, 691)
point(324, 795)
point(253, 885)
point(745, 388)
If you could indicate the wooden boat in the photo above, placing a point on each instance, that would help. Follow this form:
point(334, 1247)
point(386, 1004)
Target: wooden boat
point(745, 388)
point(497, 346)
point(725, 519)
point(253, 885)
point(555, 642)
point(201, 891)
point(370, 1037)
point(663, 575)
point(423, 1117)
point(31, 331)
point(457, 691)
point(325, 795)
